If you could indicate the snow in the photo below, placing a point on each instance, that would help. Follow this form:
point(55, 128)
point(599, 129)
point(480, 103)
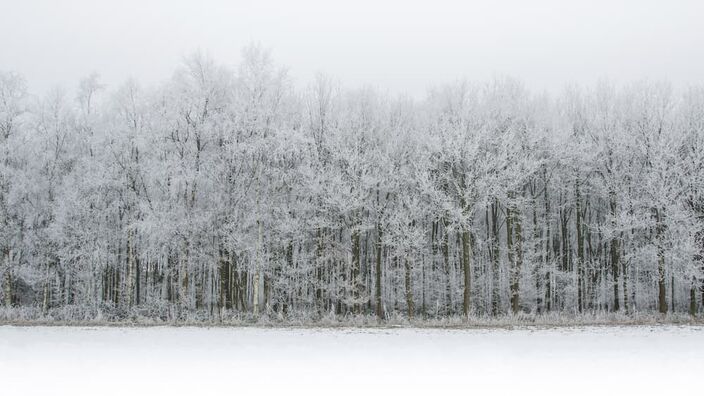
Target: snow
point(255, 361)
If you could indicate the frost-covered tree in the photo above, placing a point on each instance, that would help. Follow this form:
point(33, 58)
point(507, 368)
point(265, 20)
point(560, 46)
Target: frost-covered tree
point(227, 192)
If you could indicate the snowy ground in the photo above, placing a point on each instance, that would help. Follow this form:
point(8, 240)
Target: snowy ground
point(254, 361)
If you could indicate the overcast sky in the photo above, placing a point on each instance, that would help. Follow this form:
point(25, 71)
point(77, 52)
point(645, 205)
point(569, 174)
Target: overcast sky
point(400, 46)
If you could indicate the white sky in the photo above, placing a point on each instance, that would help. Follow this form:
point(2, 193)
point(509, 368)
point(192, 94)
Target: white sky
point(400, 46)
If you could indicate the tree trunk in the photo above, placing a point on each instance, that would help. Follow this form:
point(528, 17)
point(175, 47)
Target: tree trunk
point(580, 247)
point(45, 293)
point(377, 286)
point(446, 268)
point(319, 268)
point(7, 284)
point(615, 256)
point(547, 263)
point(672, 293)
point(624, 278)
point(466, 270)
point(258, 266)
point(510, 252)
point(693, 297)
point(495, 290)
point(131, 270)
point(537, 254)
point(183, 294)
point(225, 276)
point(662, 294)
point(410, 305)
point(356, 266)
point(518, 258)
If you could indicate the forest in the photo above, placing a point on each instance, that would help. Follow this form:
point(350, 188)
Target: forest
point(229, 193)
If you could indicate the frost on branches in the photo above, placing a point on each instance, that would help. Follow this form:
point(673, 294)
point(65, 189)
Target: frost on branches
point(233, 194)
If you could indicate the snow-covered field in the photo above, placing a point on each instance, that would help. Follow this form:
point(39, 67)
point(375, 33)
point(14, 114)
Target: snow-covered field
point(254, 361)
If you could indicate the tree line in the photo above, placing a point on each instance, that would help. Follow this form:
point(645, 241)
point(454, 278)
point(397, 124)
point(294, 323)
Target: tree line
point(230, 191)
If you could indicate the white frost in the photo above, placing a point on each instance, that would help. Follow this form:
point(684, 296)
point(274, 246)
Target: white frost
point(248, 361)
